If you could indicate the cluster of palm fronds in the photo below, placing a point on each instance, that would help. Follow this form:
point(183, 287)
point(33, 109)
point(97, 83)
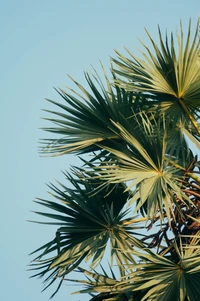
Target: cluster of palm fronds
point(140, 190)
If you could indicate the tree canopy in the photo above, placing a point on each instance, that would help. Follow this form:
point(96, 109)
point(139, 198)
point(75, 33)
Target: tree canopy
point(139, 190)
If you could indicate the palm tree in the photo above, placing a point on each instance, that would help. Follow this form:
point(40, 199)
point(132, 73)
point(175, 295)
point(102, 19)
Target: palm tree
point(139, 191)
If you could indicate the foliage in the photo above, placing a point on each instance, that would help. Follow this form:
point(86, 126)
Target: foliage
point(139, 192)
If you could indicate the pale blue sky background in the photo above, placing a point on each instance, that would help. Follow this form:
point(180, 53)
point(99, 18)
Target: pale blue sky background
point(42, 41)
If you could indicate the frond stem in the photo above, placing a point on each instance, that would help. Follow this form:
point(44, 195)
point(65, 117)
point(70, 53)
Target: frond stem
point(184, 107)
point(194, 177)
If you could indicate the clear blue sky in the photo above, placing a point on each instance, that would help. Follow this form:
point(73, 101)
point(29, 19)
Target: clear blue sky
point(41, 42)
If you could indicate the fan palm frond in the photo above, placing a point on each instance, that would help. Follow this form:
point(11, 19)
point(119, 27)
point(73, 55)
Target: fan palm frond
point(85, 119)
point(169, 78)
point(155, 278)
point(141, 162)
point(87, 220)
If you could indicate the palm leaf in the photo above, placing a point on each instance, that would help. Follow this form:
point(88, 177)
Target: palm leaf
point(155, 278)
point(87, 220)
point(85, 119)
point(141, 162)
point(168, 77)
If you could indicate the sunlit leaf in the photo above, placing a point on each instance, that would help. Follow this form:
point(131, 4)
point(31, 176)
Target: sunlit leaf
point(170, 77)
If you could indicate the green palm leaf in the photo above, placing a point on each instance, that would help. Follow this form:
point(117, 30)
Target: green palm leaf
point(85, 119)
point(155, 278)
point(142, 163)
point(87, 220)
point(169, 78)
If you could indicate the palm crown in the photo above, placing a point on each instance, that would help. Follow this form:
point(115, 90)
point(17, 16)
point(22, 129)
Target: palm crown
point(140, 191)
